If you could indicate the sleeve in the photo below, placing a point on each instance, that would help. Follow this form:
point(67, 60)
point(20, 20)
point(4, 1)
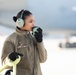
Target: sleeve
point(42, 52)
point(7, 48)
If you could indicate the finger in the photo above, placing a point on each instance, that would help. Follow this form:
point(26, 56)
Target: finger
point(37, 34)
point(20, 54)
point(39, 30)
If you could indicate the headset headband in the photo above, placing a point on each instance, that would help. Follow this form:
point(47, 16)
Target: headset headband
point(22, 14)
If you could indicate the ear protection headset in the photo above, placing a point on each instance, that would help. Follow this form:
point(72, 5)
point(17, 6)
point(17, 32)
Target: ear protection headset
point(20, 21)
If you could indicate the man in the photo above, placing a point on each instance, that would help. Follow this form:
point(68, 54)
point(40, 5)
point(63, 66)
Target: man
point(22, 42)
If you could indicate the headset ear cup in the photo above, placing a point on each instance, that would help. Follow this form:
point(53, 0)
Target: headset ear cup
point(20, 22)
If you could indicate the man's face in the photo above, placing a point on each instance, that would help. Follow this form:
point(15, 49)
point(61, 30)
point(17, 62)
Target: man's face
point(29, 23)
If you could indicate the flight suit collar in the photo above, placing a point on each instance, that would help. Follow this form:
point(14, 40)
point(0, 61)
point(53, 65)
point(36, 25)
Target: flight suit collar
point(20, 32)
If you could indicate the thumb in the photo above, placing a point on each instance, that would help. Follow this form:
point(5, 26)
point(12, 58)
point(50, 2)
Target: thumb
point(20, 54)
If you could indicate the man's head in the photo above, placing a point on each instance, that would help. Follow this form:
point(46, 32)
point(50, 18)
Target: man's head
point(24, 20)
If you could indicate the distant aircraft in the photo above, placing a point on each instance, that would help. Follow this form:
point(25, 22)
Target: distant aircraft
point(52, 15)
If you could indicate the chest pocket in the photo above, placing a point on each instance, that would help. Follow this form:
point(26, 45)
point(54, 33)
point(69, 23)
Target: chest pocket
point(22, 45)
point(22, 48)
point(25, 43)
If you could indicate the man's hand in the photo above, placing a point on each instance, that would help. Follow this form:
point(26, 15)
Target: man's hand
point(38, 34)
point(14, 55)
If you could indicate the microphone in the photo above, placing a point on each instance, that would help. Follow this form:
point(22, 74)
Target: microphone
point(34, 29)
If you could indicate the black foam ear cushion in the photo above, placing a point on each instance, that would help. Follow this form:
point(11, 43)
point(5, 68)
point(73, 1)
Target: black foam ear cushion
point(14, 18)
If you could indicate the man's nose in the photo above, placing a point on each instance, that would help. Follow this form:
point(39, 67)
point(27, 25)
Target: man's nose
point(33, 24)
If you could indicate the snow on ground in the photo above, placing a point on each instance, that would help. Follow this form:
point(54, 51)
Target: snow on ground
point(59, 61)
